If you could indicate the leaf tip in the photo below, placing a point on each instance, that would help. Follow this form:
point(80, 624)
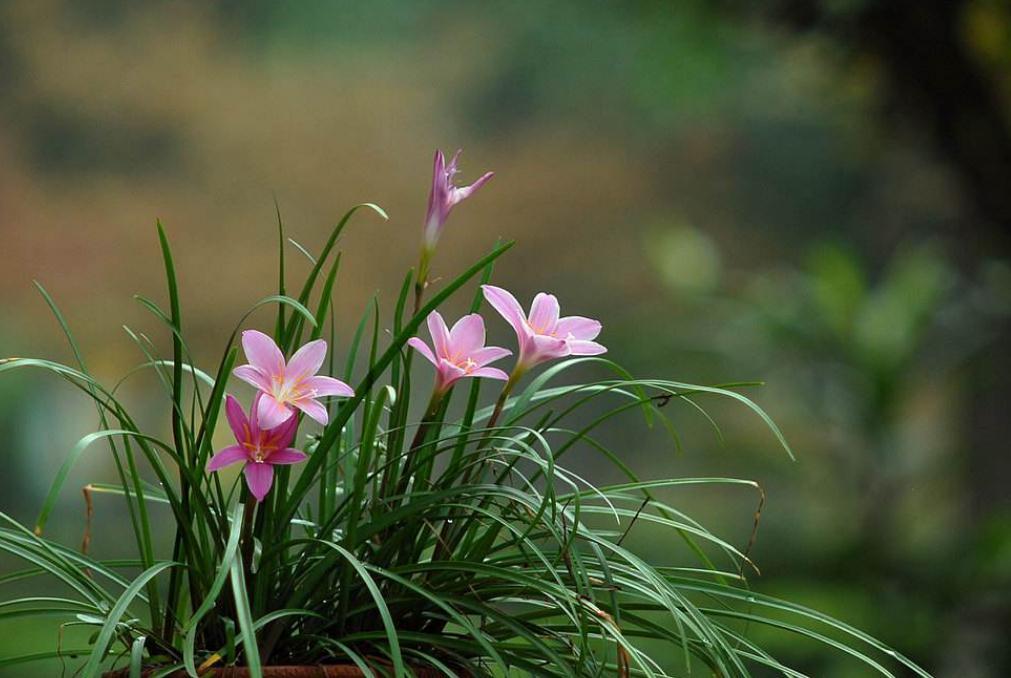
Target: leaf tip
point(379, 210)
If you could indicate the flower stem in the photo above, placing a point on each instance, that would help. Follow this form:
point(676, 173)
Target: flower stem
point(516, 375)
point(247, 535)
point(503, 397)
point(419, 438)
point(430, 411)
point(447, 537)
point(422, 282)
point(499, 405)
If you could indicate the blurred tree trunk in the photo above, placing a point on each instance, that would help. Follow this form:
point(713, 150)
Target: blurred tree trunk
point(934, 81)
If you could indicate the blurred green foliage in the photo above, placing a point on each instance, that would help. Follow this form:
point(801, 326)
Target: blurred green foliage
point(865, 367)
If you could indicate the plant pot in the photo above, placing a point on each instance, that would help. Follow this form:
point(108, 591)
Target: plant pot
point(318, 671)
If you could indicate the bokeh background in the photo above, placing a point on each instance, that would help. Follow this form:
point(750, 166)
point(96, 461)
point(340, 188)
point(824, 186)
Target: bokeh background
point(810, 193)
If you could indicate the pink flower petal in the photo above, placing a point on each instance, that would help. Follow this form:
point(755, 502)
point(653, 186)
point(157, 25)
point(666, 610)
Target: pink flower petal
point(254, 416)
point(507, 306)
point(259, 478)
point(490, 373)
point(237, 419)
point(283, 435)
point(544, 313)
point(262, 353)
point(422, 348)
point(489, 354)
point(270, 413)
point(579, 327)
point(440, 334)
point(438, 179)
point(313, 409)
point(546, 348)
point(464, 192)
point(226, 457)
point(252, 376)
point(583, 347)
point(306, 361)
point(467, 335)
point(436, 216)
point(451, 170)
point(320, 386)
point(447, 374)
point(287, 456)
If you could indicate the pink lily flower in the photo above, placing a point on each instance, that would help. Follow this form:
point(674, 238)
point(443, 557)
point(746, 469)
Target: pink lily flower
point(287, 386)
point(543, 335)
point(445, 195)
point(260, 449)
point(459, 352)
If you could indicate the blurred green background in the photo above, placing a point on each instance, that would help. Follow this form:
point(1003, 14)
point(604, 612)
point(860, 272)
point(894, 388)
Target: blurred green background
point(812, 193)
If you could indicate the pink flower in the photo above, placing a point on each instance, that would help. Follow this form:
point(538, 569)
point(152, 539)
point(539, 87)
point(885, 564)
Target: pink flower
point(459, 352)
point(258, 448)
point(287, 386)
point(445, 195)
point(542, 335)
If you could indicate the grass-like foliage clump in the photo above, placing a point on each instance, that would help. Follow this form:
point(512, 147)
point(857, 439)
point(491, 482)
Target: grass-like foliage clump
point(440, 536)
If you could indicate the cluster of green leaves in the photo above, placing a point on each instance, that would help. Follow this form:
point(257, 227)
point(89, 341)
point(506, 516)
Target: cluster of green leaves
point(467, 548)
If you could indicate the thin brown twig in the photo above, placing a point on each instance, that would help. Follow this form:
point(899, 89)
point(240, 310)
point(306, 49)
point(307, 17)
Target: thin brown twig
point(645, 502)
point(89, 512)
point(754, 531)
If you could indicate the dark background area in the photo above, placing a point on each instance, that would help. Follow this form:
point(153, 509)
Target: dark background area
point(812, 194)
